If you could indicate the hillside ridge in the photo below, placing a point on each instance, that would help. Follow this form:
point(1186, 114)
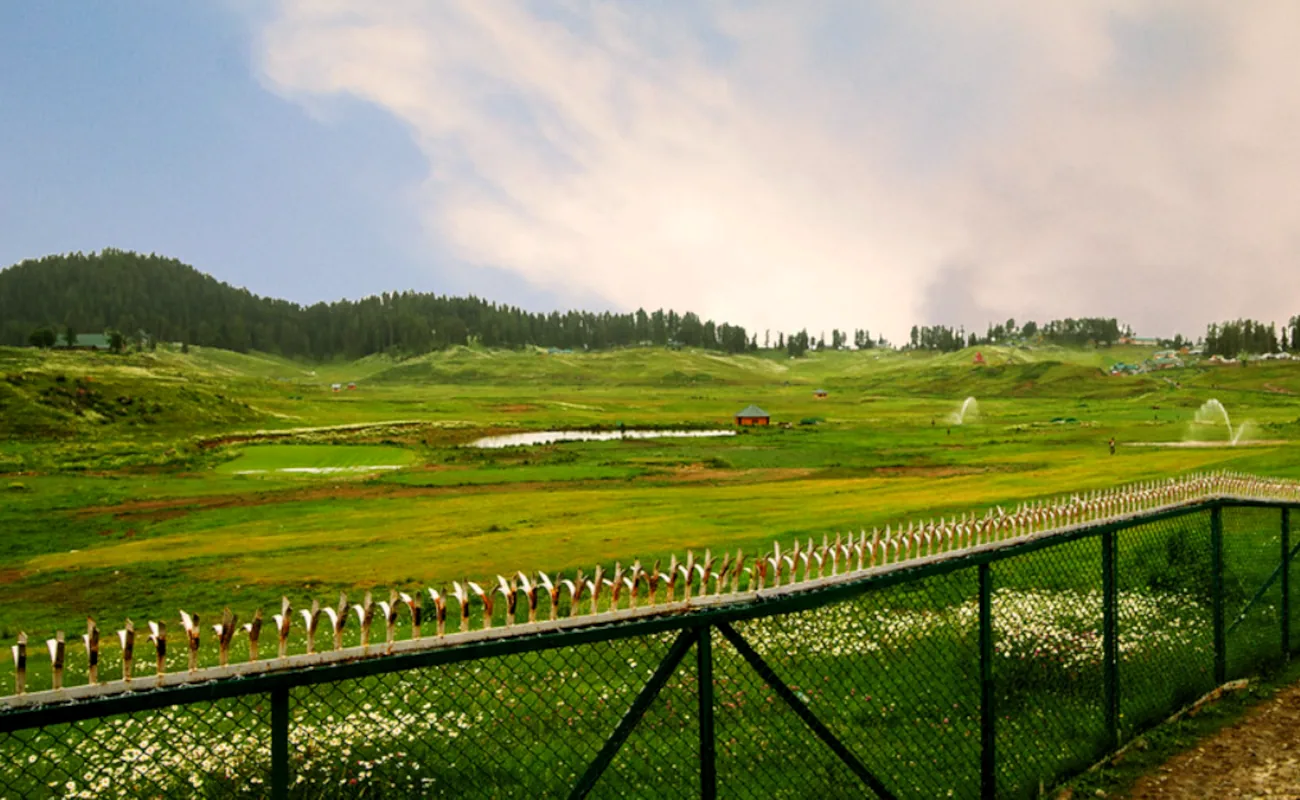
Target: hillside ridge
point(153, 297)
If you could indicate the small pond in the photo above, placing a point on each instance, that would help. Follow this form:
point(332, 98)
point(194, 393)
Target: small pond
point(551, 437)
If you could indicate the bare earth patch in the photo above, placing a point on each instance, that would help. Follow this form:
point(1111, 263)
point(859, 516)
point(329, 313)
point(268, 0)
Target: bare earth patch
point(1257, 757)
point(701, 473)
point(928, 472)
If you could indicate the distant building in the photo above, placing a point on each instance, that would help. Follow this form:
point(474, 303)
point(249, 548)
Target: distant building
point(820, 394)
point(336, 387)
point(351, 386)
point(88, 341)
point(752, 416)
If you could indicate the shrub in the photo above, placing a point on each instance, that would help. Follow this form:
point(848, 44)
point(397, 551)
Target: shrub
point(1178, 562)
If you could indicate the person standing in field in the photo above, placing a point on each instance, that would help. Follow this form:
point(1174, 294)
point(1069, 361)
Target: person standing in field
point(1112, 445)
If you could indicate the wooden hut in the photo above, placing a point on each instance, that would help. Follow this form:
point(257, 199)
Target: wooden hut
point(820, 394)
point(753, 415)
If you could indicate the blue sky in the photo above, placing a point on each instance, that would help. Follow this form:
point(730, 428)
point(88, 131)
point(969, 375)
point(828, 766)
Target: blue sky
point(850, 163)
point(151, 130)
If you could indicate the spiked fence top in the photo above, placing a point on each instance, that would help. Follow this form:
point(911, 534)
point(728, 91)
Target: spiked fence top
point(618, 595)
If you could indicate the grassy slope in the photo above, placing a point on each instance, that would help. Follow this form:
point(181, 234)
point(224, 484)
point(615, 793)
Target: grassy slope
point(134, 516)
point(138, 514)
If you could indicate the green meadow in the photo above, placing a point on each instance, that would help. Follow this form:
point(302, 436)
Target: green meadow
point(136, 485)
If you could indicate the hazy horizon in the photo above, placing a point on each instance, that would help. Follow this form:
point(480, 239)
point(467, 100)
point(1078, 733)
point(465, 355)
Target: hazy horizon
point(832, 165)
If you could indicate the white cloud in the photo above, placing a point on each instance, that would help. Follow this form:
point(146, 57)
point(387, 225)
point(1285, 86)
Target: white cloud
point(840, 164)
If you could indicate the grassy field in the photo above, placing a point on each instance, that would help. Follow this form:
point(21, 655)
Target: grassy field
point(137, 485)
point(316, 459)
point(140, 484)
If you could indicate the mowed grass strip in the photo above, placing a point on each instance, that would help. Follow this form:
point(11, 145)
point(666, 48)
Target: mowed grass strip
point(316, 459)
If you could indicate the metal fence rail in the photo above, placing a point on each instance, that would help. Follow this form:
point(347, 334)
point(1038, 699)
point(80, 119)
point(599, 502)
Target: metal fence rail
point(998, 670)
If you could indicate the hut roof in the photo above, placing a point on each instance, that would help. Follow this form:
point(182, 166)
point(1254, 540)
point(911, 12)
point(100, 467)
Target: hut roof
point(753, 411)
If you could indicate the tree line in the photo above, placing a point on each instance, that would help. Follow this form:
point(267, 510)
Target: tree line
point(1251, 336)
point(1102, 331)
point(137, 299)
point(142, 299)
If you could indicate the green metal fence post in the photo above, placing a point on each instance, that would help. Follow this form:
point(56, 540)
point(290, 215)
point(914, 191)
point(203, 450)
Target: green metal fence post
point(1286, 584)
point(280, 743)
point(704, 671)
point(988, 737)
point(633, 715)
point(800, 708)
point(1216, 590)
point(1110, 638)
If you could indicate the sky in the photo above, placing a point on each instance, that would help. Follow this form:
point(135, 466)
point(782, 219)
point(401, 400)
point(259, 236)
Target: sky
point(828, 163)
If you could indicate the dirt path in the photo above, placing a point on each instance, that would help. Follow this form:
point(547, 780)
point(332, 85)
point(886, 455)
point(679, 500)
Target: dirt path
point(1257, 757)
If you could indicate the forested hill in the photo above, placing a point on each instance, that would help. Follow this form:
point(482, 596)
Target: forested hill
point(173, 302)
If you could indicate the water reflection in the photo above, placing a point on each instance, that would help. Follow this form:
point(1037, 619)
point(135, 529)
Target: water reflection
point(551, 437)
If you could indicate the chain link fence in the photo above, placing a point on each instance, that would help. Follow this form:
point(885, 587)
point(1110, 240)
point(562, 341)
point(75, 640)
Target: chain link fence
point(205, 749)
point(996, 673)
point(1166, 571)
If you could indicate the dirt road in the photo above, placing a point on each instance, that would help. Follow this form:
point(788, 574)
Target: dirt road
point(1257, 757)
